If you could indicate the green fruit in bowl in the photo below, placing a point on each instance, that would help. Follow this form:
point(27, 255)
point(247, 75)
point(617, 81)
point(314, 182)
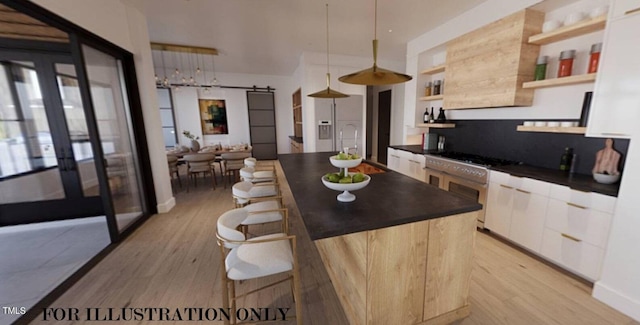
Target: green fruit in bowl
point(359, 177)
point(346, 180)
point(333, 178)
point(342, 156)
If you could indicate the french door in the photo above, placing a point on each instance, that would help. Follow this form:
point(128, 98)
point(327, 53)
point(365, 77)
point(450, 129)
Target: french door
point(47, 169)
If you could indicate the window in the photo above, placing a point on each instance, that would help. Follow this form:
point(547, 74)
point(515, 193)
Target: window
point(167, 116)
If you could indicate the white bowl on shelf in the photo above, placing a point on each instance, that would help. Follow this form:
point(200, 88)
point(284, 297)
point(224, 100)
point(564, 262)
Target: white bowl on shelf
point(540, 123)
point(606, 178)
point(553, 124)
point(350, 163)
point(345, 196)
point(568, 124)
point(551, 25)
point(528, 123)
point(573, 18)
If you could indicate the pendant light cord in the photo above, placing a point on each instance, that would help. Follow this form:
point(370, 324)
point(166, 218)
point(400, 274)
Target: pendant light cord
point(375, 36)
point(327, 6)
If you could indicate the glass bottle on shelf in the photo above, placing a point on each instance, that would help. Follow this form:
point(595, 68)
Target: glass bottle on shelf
point(436, 87)
point(441, 117)
point(427, 89)
point(541, 68)
point(594, 57)
point(566, 63)
point(431, 117)
point(425, 116)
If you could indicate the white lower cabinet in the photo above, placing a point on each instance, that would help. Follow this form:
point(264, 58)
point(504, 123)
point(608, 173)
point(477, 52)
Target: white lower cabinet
point(527, 219)
point(416, 167)
point(572, 253)
point(563, 225)
point(498, 210)
point(393, 160)
point(406, 163)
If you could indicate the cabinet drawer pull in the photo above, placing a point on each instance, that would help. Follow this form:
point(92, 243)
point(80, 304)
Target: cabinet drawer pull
point(394, 156)
point(632, 11)
point(577, 206)
point(523, 191)
point(571, 237)
point(505, 186)
point(413, 161)
point(615, 133)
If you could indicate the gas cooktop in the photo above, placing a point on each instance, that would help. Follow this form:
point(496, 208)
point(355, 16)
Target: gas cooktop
point(475, 159)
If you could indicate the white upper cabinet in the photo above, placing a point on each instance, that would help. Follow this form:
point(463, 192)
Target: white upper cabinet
point(623, 8)
point(616, 98)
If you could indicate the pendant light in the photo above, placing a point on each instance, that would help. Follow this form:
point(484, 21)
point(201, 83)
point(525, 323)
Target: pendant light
point(328, 93)
point(375, 75)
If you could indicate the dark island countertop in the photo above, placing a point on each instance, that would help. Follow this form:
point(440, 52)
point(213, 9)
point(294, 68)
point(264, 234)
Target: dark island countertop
point(390, 199)
point(578, 182)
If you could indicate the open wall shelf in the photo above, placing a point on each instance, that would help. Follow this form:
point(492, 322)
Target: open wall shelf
point(566, 32)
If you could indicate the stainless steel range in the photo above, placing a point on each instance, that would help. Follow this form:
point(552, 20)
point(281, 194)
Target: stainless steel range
point(464, 174)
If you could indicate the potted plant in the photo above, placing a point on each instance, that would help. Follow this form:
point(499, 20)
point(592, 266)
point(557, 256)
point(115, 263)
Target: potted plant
point(195, 145)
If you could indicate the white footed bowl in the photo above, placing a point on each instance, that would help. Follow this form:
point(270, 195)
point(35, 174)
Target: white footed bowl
point(606, 178)
point(346, 196)
point(345, 163)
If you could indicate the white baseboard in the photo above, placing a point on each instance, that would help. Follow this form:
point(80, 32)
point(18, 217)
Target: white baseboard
point(617, 300)
point(167, 205)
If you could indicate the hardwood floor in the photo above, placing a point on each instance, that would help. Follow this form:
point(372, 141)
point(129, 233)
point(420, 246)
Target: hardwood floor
point(173, 261)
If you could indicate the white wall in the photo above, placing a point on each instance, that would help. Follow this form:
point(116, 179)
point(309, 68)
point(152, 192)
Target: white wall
point(314, 79)
point(126, 26)
point(549, 103)
point(185, 102)
point(485, 13)
point(619, 285)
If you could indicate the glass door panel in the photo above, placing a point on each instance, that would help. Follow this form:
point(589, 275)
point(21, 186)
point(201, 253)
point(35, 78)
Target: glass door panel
point(28, 165)
point(39, 176)
point(111, 110)
point(77, 127)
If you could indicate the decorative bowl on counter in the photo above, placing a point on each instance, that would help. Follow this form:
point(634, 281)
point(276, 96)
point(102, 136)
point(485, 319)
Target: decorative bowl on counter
point(344, 163)
point(606, 178)
point(345, 196)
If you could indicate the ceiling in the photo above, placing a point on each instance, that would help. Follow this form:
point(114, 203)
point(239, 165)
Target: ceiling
point(268, 36)
point(17, 25)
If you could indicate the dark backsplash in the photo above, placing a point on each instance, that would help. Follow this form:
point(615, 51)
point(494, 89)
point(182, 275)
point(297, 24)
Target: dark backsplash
point(499, 139)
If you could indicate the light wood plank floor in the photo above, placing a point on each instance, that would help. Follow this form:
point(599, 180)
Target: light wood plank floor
point(173, 261)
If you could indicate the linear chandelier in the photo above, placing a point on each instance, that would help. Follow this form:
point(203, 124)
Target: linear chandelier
point(187, 65)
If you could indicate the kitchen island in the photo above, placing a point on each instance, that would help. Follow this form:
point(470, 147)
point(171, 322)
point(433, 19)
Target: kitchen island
point(400, 254)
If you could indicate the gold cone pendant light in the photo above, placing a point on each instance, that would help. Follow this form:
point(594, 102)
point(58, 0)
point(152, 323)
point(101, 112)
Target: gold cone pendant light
point(328, 93)
point(375, 75)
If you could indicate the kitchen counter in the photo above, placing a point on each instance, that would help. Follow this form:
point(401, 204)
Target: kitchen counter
point(390, 199)
point(296, 139)
point(416, 148)
point(578, 182)
point(401, 253)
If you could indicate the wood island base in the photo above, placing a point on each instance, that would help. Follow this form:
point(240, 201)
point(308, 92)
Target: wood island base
point(415, 273)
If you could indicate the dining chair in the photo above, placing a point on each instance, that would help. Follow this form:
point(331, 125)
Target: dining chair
point(200, 163)
point(233, 162)
point(172, 160)
point(216, 151)
point(246, 192)
point(246, 259)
